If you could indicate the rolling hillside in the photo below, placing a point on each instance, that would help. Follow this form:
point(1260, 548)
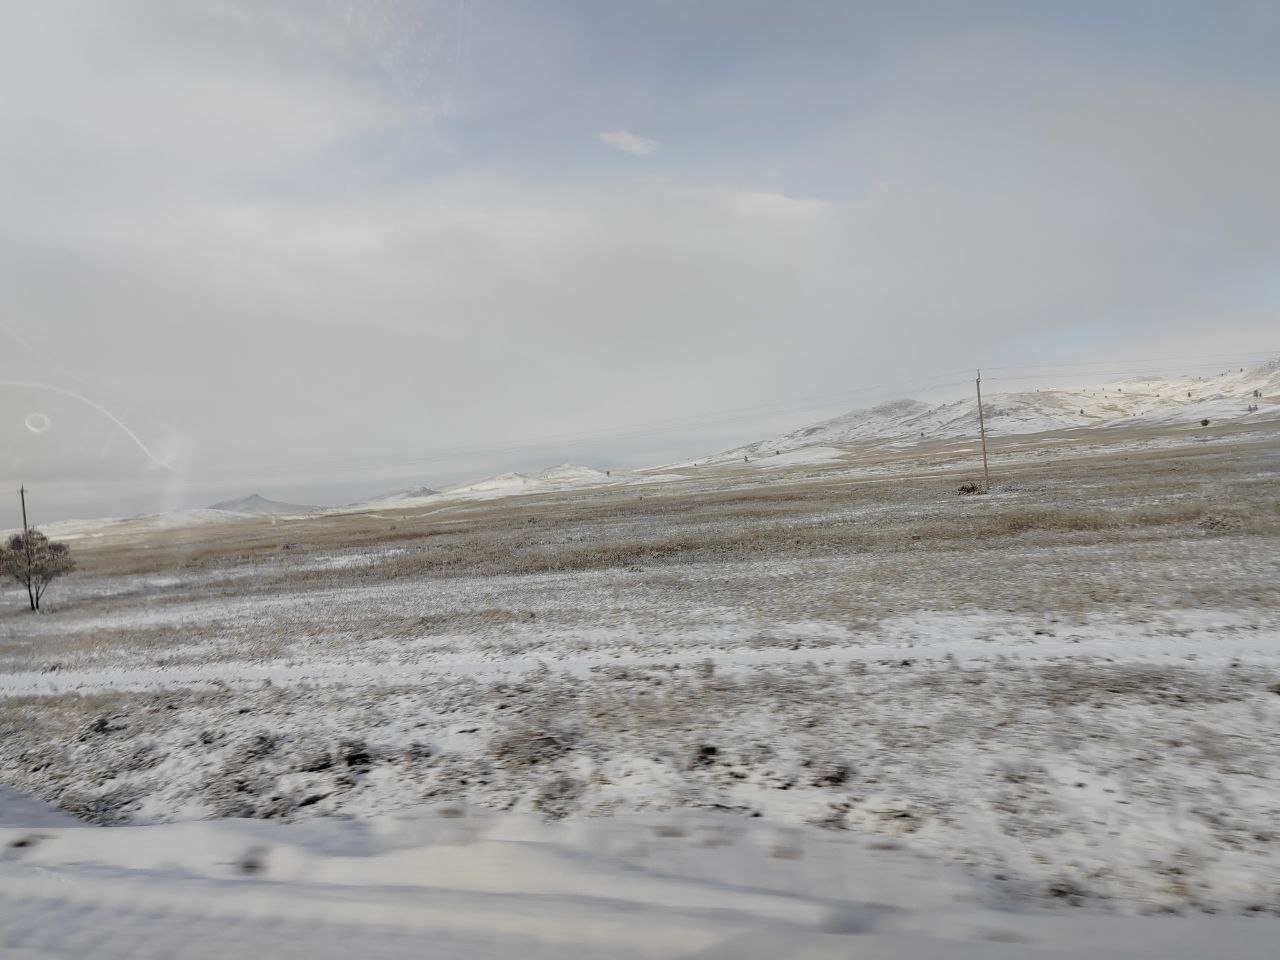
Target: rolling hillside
point(1144, 400)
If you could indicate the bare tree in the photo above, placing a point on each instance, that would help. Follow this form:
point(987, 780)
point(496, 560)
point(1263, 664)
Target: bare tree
point(34, 561)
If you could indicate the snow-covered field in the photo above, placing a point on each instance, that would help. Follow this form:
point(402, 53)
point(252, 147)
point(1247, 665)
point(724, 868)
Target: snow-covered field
point(823, 699)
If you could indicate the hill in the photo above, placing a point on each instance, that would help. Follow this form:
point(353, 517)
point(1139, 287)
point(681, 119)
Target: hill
point(1139, 400)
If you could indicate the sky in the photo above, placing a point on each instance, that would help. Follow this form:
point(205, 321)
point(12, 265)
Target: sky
point(321, 250)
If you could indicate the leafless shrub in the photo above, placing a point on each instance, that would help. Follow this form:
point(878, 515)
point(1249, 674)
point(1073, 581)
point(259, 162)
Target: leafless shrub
point(34, 561)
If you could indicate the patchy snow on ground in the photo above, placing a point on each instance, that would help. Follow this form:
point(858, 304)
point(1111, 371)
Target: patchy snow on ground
point(837, 709)
point(802, 457)
point(1096, 757)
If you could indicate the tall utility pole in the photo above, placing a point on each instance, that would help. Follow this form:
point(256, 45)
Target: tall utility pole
point(22, 492)
point(982, 430)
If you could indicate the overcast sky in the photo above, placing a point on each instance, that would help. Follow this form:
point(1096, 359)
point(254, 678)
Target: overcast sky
point(314, 249)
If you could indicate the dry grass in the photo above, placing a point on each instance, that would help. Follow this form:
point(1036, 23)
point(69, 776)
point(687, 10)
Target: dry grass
point(881, 547)
point(578, 545)
point(1088, 500)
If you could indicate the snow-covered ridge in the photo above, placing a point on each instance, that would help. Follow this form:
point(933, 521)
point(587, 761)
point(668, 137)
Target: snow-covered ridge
point(566, 476)
point(397, 498)
point(1136, 401)
point(504, 484)
point(226, 511)
point(174, 519)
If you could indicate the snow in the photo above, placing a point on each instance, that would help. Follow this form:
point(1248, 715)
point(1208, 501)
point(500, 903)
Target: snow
point(23, 812)
point(803, 457)
point(408, 497)
point(571, 474)
point(136, 526)
point(434, 709)
point(462, 883)
point(1139, 401)
point(502, 485)
point(566, 476)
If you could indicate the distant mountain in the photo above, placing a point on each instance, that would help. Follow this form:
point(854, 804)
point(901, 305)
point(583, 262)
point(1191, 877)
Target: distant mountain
point(261, 506)
point(408, 493)
point(565, 476)
point(1140, 400)
point(553, 478)
point(407, 497)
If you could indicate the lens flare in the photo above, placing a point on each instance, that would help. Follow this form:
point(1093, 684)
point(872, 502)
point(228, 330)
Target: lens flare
point(38, 422)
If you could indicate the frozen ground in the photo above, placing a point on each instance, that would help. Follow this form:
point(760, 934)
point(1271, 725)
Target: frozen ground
point(1064, 696)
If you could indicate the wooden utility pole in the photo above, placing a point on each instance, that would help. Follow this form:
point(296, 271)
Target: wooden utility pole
point(982, 431)
point(22, 492)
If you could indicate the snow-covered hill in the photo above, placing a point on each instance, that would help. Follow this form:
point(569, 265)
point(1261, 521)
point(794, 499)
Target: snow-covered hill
point(562, 477)
point(407, 497)
point(503, 485)
point(553, 478)
point(261, 506)
point(1136, 401)
point(226, 511)
point(566, 476)
point(137, 525)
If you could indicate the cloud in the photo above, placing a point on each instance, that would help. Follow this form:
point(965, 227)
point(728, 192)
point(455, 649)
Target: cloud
point(628, 142)
point(776, 206)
